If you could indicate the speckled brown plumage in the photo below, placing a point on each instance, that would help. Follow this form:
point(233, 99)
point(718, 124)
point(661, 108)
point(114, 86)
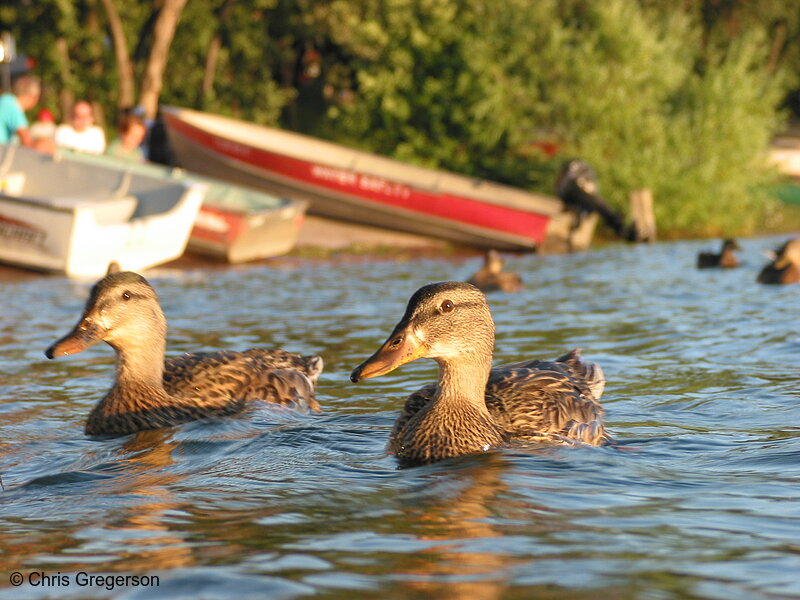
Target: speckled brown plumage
point(473, 407)
point(726, 258)
point(150, 392)
point(785, 267)
point(491, 277)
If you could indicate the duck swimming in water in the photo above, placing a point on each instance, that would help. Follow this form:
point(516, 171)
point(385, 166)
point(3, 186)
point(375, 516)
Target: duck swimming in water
point(473, 407)
point(491, 277)
point(785, 267)
point(726, 258)
point(150, 392)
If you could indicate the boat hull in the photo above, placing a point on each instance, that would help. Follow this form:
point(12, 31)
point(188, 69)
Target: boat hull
point(237, 237)
point(62, 216)
point(355, 186)
point(235, 224)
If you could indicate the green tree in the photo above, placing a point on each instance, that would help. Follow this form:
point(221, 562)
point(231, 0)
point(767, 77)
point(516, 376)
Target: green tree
point(677, 97)
point(461, 85)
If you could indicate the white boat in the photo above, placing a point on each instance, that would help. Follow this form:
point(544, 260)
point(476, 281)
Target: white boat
point(235, 223)
point(66, 216)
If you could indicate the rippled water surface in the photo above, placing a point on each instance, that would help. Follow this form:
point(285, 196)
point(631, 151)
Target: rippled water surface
point(700, 500)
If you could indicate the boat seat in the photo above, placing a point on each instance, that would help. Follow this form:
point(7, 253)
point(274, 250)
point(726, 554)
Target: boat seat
point(106, 210)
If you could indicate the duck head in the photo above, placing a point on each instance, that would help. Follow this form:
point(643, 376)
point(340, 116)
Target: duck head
point(122, 309)
point(448, 322)
point(788, 254)
point(730, 244)
point(492, 262)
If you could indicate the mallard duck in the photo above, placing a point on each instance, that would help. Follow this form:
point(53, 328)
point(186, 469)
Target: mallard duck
point(473, 407)
point(726, 258)
point(785, 266)
point(150, 392)
point(491, 277)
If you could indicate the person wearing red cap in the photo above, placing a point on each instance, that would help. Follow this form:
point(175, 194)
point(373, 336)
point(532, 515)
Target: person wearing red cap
point(43, 129)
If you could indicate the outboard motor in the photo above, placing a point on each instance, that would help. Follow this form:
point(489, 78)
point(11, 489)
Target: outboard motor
point(577, 187)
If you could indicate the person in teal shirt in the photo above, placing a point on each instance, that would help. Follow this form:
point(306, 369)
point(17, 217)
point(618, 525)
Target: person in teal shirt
point(13, 122)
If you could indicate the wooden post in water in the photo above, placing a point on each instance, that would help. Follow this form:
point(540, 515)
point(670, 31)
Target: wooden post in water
point(644, 219)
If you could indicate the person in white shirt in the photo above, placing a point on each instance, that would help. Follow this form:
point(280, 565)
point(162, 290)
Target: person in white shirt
point(81, 133)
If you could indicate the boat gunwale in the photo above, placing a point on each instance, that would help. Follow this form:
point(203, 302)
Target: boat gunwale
point(546, 205)
point(182, 176)
point(488, 235)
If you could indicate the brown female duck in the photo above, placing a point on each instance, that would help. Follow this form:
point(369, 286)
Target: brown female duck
point(473, 407)
point(491, 277)
point(151, 392)
point(785, 267)
point(726, 258)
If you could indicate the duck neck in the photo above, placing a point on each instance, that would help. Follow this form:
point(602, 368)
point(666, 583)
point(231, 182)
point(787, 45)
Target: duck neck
point(141, 362)
point(464, 381)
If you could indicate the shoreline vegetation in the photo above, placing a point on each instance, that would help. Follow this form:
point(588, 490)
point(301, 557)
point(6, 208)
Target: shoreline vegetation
point(680, 98)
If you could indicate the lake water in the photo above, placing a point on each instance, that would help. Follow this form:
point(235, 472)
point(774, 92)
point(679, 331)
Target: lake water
point(700, 500)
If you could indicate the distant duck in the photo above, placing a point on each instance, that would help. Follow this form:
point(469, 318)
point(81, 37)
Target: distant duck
point(785, 266)
point(726, 258)
point(473, 407)
point(150, 392)
point(491, 277)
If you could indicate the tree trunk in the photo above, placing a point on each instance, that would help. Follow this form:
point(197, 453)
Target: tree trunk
point(96, 51)
point(163, 32)
point(778, 44)
point(66, 97)
point(212, 58)
point(124, 65)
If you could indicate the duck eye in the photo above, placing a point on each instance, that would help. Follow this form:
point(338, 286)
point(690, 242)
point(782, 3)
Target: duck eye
point(126, 295)
point(447, 306)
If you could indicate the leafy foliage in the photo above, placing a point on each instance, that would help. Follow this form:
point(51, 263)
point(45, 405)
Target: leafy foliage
point(631, 90)
point(681, 98)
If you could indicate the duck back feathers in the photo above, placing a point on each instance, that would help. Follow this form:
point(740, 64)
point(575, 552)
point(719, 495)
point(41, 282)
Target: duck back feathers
point(533, 400)
point(726, 258)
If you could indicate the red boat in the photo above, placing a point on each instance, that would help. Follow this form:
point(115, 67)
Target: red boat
point(357, 186)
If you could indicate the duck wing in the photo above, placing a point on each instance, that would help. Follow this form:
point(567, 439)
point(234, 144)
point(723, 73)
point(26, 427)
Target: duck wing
point(588, 375)
point(219, 377)
point(493, 282)
point(707, 259)
point(544, 400)
point(556, 400)
point(772, 275)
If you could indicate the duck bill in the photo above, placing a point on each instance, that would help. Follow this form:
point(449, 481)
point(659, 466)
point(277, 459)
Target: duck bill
point(402, 346)
point(79, 339)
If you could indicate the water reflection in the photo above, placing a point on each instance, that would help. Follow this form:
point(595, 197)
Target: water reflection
point(702, 391)
point(461, 564)
point(152, 545)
